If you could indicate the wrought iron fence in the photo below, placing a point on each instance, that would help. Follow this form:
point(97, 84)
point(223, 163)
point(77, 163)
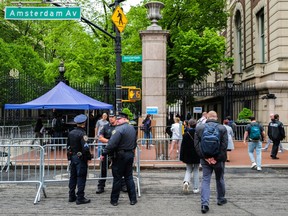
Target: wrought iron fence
point(23, 88)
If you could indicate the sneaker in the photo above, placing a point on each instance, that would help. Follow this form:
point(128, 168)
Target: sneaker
point(186, 187)
point(259, 168)
point(195, 190)
point(281, 151)
point(253, 166)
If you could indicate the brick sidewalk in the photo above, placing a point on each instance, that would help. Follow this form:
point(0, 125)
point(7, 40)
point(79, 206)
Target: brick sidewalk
point(238, 158)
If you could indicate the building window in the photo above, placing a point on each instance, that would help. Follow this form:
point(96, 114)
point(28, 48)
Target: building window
point(261, 35)
point(238, 52)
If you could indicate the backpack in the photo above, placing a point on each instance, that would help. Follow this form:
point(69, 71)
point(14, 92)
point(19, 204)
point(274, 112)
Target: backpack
point(255, 133)
point(210, 141)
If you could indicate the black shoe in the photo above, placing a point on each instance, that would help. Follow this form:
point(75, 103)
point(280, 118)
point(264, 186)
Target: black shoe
point(114, 203)
point(99, 190)
point(204, 209)
point(133, 202)
point(72, 199)
point(222, 202)
point(83, 201)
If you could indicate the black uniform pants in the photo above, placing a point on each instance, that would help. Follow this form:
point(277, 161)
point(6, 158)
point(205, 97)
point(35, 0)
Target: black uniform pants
point(104, 164)
point(123, 166)
point(78, 175)
point(275, 147)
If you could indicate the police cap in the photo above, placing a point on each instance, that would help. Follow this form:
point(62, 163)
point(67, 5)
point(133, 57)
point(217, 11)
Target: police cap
point(111, 113)
point(80, 119)
point(122, 115)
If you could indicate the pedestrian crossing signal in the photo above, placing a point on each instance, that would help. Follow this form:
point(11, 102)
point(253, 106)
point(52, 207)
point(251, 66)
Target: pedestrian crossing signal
point(134, 94)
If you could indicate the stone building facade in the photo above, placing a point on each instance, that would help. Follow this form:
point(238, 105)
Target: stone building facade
point(257, 39)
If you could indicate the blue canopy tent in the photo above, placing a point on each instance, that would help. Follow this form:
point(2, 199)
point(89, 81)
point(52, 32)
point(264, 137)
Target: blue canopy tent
point(62, 96)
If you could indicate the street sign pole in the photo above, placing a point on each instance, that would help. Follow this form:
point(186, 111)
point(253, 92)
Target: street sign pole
point(118, 67)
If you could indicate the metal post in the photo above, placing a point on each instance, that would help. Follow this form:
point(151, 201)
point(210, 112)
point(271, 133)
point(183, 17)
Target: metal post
point(118, 67)
point(228, 102)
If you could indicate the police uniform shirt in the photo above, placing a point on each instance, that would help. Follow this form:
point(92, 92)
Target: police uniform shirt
point(76, 140)
point(106, 131)
point(123, 138)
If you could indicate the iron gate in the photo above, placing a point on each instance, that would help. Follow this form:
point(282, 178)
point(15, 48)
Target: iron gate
point(232, 100)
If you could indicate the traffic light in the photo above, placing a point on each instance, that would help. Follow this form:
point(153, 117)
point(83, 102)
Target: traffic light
point(134, 94)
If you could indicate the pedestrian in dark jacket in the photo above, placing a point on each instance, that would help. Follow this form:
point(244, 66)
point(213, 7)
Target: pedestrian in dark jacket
point(189, 156)
point(215, 163)
point(276, 133)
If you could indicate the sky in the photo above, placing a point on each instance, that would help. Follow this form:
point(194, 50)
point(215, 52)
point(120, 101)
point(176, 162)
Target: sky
point(128, 3)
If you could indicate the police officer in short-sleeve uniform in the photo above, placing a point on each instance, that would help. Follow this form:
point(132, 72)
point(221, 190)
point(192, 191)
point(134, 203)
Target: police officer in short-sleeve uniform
point(104, 136)
point(79, 154)
point(122, 143)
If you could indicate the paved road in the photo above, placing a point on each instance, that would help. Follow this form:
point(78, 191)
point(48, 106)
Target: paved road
point(248, 192)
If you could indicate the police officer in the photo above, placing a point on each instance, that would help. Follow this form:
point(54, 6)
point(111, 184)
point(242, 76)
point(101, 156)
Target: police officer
point(79, 154)
point(122, 143)
point(104, 136)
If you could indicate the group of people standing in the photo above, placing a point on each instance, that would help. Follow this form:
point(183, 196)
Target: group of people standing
point(119, 143)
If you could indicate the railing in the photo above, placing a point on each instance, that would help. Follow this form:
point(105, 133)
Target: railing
point(23, 131)
point(26, 163)
point(160, 132)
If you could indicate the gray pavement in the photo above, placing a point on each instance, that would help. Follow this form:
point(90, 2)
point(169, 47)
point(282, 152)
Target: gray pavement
point(248, 192)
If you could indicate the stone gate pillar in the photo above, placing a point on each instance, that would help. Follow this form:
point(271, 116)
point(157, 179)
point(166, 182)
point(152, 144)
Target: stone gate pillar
point(154, 42)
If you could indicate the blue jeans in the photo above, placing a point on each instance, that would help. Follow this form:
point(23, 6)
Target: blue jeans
point(207, 170)
point(147, 135)
point(195, 169)
point(99, 149)
point(257, 145)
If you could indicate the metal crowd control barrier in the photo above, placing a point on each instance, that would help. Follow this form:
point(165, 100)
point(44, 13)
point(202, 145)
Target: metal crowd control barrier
point(32, 163)
point(10, 132)
point(23, 165)
point(162, 147)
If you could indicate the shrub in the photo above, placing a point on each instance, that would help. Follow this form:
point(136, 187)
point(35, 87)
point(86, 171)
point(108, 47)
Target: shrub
point(244, 115)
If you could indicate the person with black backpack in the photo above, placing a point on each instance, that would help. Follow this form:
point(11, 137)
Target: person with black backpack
point(255, 133)
point(276, 133)
point(211, 141)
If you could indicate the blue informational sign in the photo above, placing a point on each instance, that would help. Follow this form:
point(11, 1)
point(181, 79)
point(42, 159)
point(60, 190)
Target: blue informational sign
point(197, 109)
point(152, 110)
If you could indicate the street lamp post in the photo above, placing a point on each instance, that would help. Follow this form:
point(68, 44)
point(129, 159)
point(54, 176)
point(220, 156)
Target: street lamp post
point(181, 94)
point(61, 77)
point(228, 102)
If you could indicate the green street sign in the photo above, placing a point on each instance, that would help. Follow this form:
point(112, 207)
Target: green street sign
point(134, 58)
point(42, 13)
